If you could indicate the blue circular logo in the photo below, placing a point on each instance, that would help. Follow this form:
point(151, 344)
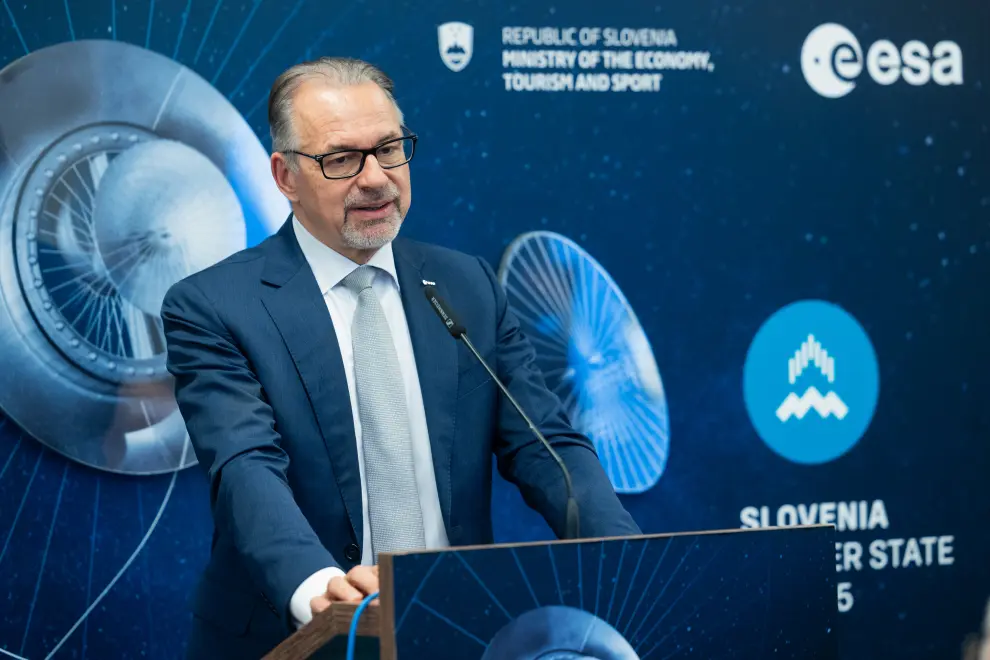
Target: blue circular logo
point(811, 382)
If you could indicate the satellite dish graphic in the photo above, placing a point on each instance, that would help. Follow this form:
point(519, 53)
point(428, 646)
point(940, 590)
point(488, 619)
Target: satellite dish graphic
point(593, 353)
point(557, 632)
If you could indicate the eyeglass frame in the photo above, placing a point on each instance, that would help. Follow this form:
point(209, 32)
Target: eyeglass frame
point(364, 156)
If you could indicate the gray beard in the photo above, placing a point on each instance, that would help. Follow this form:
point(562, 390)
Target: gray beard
point(356, 239)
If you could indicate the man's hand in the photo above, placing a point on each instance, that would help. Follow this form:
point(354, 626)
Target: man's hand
point(361, 581)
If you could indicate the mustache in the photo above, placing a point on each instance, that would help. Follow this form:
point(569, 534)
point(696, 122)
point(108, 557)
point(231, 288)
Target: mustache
point(374, 197)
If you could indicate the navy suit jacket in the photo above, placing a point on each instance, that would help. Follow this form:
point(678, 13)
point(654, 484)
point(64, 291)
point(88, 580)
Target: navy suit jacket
point(260, 383)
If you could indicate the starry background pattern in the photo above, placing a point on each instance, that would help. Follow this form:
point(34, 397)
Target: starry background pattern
point(712, 203)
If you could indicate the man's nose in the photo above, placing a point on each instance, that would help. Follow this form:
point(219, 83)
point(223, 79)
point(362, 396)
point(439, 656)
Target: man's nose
point(372, 175)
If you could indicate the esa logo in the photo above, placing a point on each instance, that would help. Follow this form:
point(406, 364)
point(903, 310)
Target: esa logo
point(832, 60)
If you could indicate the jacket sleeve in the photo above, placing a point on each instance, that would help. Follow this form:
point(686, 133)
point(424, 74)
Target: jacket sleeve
point(232, 430)
point(523, 460)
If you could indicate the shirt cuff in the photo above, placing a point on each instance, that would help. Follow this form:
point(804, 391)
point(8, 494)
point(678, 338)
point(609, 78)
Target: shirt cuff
point(313, 586)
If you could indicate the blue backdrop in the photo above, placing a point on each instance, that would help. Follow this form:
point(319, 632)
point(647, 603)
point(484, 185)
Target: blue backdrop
point(765, 161)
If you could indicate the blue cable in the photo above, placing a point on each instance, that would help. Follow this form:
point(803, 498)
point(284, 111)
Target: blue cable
point(352, 637)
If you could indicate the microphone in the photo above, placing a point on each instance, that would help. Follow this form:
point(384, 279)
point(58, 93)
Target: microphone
point(458, 331)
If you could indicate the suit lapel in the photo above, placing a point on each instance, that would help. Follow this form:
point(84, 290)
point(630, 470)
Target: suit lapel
point(436, 363)
point(298, 309)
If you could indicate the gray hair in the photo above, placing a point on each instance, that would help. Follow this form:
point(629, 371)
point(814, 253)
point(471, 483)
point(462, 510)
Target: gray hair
point(977, 646)
point(340, 71)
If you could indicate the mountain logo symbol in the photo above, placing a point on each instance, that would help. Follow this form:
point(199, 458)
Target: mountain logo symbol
point(808, 403)
point(812, 399)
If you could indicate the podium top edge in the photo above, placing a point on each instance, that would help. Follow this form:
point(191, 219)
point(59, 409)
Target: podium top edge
point(640, 537)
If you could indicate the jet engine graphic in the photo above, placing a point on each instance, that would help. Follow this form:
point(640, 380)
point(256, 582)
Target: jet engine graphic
point(121, 171)
point(810, 353)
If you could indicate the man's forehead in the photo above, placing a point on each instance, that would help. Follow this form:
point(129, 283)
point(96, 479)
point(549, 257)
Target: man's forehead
point(332, 135)
point(345, 116)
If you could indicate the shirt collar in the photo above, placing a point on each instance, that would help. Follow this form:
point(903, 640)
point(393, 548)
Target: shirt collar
point(330, 267)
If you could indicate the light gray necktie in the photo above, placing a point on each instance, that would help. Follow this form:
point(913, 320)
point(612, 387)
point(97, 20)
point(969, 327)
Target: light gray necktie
point(393, 499)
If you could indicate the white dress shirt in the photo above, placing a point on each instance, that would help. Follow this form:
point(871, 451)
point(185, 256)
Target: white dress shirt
point(330, 268)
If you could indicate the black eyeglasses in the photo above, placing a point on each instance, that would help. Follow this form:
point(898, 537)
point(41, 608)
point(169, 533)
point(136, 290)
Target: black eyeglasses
point(345, 163)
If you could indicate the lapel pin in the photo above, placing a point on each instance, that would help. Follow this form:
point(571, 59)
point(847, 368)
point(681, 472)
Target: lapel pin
point(429, 283)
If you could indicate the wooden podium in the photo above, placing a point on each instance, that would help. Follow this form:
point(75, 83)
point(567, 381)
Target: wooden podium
point(729, 593)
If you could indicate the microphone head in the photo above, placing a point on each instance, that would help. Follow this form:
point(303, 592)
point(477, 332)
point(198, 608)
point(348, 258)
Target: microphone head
point(443, 311)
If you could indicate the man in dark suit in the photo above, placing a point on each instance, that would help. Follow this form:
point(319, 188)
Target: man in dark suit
point(334, 416)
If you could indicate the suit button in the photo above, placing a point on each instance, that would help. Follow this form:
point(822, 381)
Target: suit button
point(352, 553)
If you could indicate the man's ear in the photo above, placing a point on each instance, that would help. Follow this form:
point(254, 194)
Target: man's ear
point(285, 177)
